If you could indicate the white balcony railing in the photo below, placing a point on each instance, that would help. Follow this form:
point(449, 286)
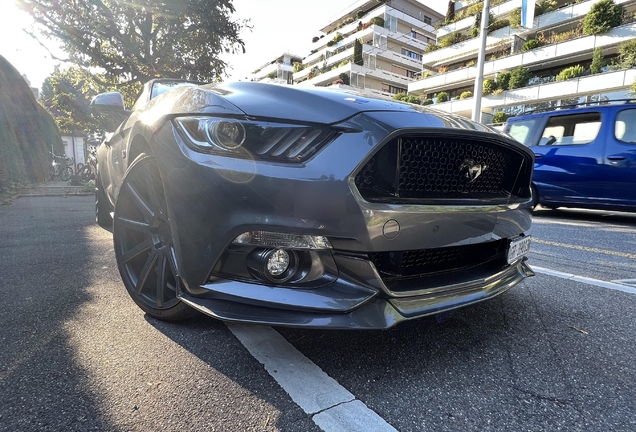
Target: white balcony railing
point(559, 16)
point(497, 11)
point(529, 58)
point(578, 87)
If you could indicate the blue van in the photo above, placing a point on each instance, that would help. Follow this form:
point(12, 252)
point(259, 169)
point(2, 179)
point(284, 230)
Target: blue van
point(584, 157)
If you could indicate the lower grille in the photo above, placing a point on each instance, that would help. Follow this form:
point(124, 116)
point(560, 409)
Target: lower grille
point(398, 266)
point(418, 167)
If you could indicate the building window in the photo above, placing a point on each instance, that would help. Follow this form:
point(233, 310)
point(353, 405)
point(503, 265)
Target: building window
point(387, 88)
point(391, 22)
point(427, 20)
point(413, 55)
point(413, 34)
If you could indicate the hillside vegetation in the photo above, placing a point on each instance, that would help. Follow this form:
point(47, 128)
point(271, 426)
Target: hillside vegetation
point(27, 132)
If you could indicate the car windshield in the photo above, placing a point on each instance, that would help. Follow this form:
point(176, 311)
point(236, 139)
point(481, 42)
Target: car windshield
point(161, 87)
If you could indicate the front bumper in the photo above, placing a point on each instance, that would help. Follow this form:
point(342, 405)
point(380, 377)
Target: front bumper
point(374, 312)
point(211, 200)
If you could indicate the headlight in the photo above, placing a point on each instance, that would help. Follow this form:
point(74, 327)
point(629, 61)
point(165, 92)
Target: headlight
point(253, 139)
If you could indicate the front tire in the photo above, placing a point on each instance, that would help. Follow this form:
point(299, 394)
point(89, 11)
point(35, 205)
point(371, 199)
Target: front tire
point(66, 173)
point(102, 207)
point(535, 197)
point(144, 247)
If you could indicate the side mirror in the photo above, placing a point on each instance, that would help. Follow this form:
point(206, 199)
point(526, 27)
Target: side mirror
point(109, 101)
point(109, 110)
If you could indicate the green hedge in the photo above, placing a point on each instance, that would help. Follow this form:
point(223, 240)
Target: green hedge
point(27, 132)
point(571, 72)
point(602, 17)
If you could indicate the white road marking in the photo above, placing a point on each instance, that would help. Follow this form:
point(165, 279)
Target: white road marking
point(334, 409)
point(589, 281)
point(631, 282)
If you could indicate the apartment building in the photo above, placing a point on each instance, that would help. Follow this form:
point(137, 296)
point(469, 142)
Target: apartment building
point(555, 42)
point(278, 70)
point(374, 46)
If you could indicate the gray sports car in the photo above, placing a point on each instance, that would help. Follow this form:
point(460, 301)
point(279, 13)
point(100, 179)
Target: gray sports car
point(308, 207)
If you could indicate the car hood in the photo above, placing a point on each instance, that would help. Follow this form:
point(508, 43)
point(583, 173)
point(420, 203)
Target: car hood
point(311, 104)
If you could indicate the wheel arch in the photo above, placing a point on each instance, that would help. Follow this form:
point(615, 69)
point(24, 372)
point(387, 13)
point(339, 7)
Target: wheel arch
point(138, 146)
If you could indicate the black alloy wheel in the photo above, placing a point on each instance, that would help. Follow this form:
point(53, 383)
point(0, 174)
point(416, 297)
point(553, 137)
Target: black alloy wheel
point(144, 247)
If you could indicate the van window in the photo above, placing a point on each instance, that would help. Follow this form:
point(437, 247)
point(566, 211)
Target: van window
point(520, 130)
point(571, 129)
point(625, 126)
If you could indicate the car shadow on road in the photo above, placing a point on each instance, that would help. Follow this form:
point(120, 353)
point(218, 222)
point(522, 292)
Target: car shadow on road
point(47, 265)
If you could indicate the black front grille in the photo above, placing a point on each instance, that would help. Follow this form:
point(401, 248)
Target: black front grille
point(436, 167)
point(400, 264)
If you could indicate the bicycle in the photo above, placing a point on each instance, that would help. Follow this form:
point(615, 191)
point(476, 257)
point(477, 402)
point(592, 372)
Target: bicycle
point(88, 171)
point(63, 172)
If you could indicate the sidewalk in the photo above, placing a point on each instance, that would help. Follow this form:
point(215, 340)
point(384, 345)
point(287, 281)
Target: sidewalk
point(53, 188)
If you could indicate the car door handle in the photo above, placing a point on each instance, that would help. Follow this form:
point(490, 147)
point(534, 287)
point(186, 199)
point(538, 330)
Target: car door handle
point(616, 158)
point(538, 156)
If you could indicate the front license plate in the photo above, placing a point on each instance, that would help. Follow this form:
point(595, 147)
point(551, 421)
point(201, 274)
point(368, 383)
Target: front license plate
point(518, 248)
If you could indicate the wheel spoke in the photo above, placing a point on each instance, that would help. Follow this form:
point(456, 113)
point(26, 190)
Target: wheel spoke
point(134, 225)
point(132, 253)
point(152, 190)
point(141, 204)
point(172, 260)
point(149, 265)
point(162, 278)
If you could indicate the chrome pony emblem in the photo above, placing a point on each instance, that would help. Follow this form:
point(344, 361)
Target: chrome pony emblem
point(471, 170)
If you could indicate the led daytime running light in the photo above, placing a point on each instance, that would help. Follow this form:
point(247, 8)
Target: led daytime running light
point(283, 240)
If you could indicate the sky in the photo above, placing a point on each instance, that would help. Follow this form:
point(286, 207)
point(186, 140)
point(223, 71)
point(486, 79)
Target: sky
point(278, 26)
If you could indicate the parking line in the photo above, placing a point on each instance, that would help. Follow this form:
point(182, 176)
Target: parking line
point(583, 279)
point(584, 248)
point(333, 407)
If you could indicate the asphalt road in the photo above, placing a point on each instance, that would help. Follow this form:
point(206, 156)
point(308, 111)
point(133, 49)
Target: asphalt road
point(77, 354)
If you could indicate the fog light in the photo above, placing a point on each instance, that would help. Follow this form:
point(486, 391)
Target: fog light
point(278, 263)
point(273, 265)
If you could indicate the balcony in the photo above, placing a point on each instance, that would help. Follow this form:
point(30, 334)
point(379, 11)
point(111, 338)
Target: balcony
point(543, 55)
point(470, 47)
point(497, 11)
point(392, 56)
point(581, 86)
point(379, 74)
point(331, 75)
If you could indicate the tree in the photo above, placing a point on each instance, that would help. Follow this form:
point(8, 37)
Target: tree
point(519, 77)
point(67, 94)
point(627, 54)
point(450, 12)
point(603, 15)
point(142, 39)
point(357, 53)
point(597, 61)
point(27, 132)
point(488, 86)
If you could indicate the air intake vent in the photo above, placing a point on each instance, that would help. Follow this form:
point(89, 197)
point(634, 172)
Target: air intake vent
point(423, 168)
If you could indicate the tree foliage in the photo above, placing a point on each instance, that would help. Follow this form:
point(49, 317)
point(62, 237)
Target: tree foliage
point(570, 73)
point(357, 53)
point(488, 86)
point(597, 61)
point(603, 15)
point(67, 94)
point(27, 132)
point(627, 54)
point(142, 39)
point(519, 77)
